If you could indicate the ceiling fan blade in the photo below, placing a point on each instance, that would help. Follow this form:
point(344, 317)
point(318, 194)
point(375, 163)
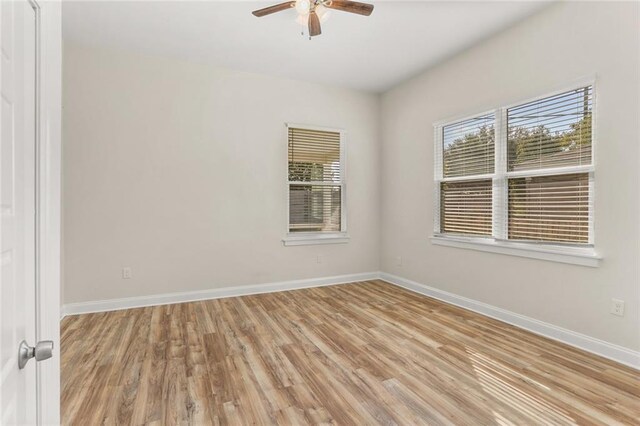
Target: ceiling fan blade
point(273, 9)
point(314, 24)
point(351, 6)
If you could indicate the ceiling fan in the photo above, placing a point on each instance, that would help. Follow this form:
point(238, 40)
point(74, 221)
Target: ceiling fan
point(312, 7)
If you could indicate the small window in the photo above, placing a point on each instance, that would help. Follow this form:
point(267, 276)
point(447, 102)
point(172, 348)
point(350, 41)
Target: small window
point(316, 185)
point(522, 173)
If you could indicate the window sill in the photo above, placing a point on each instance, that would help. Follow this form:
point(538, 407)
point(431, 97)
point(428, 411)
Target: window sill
point(572, 255)
point(308, 239)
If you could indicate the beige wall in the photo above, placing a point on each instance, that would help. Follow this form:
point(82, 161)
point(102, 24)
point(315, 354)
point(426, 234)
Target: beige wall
point(179, 171)
point(557, 46)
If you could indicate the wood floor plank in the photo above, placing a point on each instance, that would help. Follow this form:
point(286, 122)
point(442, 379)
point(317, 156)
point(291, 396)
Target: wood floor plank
point(355, 354)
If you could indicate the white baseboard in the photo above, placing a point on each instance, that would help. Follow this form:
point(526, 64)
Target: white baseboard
point(216, 293)
point(599, 347)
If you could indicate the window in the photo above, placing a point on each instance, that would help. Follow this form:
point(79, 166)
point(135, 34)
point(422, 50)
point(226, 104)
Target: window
point(519, 175)
point(468, 162)
point(315, 185)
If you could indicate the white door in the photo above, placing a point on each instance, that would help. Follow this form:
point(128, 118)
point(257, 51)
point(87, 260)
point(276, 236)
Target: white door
point(17, 197)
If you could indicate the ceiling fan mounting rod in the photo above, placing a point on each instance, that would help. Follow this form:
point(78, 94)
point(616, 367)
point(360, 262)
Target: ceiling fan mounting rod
point(313, 4)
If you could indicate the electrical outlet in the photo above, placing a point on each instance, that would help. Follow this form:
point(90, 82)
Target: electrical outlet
point(319, 258)
point(126, 273)
point(617, 307)
point(399, 261)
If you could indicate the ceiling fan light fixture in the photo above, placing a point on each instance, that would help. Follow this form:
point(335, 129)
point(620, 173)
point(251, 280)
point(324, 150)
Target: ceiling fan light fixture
point(303, 7)
point(323, 12)
point(303, 20)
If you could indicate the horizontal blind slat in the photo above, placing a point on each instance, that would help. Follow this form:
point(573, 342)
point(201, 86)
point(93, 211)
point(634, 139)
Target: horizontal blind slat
point(469, 147)
point(314, 208)
point(314, 156)
point(552, 132)
point(550, 208)
point(553, 100)
point(466, 207)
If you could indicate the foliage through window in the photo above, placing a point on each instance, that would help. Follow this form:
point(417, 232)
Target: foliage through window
point(469, 147)
point(521, 173)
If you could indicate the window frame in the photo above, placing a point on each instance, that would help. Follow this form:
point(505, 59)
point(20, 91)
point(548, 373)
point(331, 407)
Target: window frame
point(498, 242)
point(318, 237)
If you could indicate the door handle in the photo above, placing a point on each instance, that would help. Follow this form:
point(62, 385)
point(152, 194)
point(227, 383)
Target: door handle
point(43, 350)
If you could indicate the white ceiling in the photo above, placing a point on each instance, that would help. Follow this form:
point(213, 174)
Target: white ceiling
point(398, 40)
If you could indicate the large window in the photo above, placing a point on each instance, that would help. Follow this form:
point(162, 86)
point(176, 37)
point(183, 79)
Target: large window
point(316, 182)
point(521, 174)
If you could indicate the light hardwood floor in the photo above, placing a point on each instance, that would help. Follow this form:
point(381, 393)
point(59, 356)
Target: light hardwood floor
point(356, 354)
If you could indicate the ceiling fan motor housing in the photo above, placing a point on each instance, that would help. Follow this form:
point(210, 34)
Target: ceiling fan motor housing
point(308, 7)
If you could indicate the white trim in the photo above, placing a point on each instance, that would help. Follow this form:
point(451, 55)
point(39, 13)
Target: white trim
point(584, 256)
point(463, 117)
point(589, 80)
point(596, 346)
point(48, 195)
point(590, 344)
point(437, 175)
point(436, 208)
point(437, 153)
point(314, 127)
point(313, 238)
point(499, 188)
point(313, 183)
point(592, 223)
point(215, 293)
point(486, 176)
point(556, 171)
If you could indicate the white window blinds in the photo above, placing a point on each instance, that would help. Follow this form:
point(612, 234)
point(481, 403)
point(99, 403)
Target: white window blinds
point(548, 141)
point(469, 147)
point(550, 208)
point(521, 173)
point(315, 180)
point(467, 157)
point(465, 207)
point(551, 132)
